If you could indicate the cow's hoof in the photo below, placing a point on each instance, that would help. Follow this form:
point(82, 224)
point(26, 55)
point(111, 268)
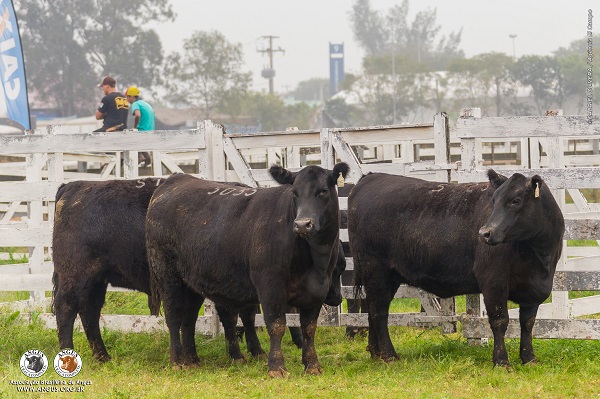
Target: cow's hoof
point(505, 366)
point(260, 356)
point(239, 361)
point(314, 370)
point(177, 366)
point(389, 359)
point(281, 373)
point(533, 361)
point(102, 358)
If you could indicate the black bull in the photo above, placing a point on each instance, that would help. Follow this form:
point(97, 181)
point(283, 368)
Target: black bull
point(239, 247)
point(436, 235)
point(99, 238)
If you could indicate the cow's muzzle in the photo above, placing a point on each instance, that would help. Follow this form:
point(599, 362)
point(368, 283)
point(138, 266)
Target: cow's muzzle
point(486, 234)
point(304, 226)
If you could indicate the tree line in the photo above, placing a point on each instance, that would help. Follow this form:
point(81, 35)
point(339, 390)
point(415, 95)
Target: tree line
point(408, 67)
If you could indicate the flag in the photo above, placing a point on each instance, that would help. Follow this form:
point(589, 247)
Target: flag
point(14, 104)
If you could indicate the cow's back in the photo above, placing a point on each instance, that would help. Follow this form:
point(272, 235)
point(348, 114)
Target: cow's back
point(103, 222)
point(427, 231)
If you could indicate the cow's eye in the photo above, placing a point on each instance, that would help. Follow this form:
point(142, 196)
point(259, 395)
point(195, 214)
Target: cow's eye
point(516, 201)
point(323, 192)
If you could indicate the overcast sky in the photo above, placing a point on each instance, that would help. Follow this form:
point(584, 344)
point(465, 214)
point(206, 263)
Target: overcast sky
point(306, 27)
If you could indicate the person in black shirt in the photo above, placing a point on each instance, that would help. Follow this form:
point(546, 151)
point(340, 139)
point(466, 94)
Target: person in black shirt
point(113, 108)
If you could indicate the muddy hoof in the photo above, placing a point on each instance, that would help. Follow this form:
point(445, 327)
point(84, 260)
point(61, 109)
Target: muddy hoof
point(240, 361)
point(314, 370)
point(281, 373)
point(532, 361)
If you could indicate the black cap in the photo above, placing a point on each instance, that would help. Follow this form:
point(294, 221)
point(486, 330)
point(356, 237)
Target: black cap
point(108, 81)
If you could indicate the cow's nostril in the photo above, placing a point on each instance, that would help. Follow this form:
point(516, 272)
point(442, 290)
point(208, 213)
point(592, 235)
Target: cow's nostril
point(309, 225)
point(487, 234)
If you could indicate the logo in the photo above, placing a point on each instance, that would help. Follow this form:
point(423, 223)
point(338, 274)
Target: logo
point(121, 102)
point(33, 363)
point(67, 363)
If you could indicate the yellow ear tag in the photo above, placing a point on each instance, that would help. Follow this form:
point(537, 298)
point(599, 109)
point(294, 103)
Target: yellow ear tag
point(537, 190)
point(340, 180)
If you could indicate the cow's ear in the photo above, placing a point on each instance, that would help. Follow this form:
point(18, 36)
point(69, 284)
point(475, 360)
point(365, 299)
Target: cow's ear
point(536, 185)
point(339, 168)
point(281, 175)
point(495, 179)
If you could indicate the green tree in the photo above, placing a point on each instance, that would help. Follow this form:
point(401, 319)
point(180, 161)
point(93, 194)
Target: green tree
point(483, 81)
point(273, 115)
point(70, 44)
point(208, 75)
point(314, 89)
point(420, 41)
point(542, 75)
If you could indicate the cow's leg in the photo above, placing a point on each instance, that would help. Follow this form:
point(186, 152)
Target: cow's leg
point(296, 332)
point(90, 306)
point(229, 320)
point(66, 306)
point(527, 315)
point(193, 302)
point(308, 324)
point(248, 316)
point(497, 310)
point(380, 290)
point(274, 305)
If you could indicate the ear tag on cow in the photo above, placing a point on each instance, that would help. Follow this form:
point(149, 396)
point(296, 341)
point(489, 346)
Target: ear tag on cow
point(340, 180)
point(537, 190)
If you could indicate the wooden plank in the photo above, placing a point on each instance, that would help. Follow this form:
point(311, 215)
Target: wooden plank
point(585, 177)
point(582, 229)
point(296, 138)
point(239, 163)
point(20, 236)
point(516, 127)
point(576, 281)
point(387, 134)
point(28, 191)
point(543, 328)
point(397, 319)
point(103, 142)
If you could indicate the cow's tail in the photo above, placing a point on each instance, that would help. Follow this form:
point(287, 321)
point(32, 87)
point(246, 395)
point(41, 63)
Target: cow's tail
point(154, 298)
point(54, 290)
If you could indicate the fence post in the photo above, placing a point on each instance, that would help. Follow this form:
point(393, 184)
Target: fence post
point(441, 140)
point(554, 153)
point(55, 173)
point(33, 174)
point(329, 313)
point(130, 164)
point(471, 160)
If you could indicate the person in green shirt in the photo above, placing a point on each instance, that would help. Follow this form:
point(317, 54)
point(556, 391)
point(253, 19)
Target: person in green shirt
point(143, 117)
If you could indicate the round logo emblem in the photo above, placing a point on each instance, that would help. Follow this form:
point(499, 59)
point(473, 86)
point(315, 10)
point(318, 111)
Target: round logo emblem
point(67, 363)
point(33, 363)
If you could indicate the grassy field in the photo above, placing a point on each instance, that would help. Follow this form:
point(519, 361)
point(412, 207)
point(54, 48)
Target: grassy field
point(432, 365)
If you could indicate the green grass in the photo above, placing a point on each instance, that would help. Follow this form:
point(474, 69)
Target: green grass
point(432, 365)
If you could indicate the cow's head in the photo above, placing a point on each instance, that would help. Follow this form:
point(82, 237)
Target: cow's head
point(314, 195)
point(34, 363)
point(334, 295)
point(517, 208)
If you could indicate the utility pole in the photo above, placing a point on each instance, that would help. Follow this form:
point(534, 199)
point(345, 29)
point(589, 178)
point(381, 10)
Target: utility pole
point(269, 73)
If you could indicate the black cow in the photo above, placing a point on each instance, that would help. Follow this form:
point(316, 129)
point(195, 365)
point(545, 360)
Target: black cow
point(35, 363)
point(98, 238)
point(240, 247)
point(406, 230)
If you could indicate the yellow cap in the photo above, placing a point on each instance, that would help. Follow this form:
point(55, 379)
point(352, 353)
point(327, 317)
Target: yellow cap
point(132, 91)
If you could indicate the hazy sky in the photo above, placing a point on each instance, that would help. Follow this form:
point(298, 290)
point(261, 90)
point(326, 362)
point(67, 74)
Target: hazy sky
point(306, 27)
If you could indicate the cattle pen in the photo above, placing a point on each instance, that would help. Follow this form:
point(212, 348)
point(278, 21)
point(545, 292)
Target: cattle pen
point(561, 149)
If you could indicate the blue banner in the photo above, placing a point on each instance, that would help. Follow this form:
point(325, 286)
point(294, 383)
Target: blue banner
point(13, 102)
point(336, 67)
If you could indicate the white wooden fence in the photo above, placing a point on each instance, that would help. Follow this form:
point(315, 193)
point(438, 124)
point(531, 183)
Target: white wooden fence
point(394, 149)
